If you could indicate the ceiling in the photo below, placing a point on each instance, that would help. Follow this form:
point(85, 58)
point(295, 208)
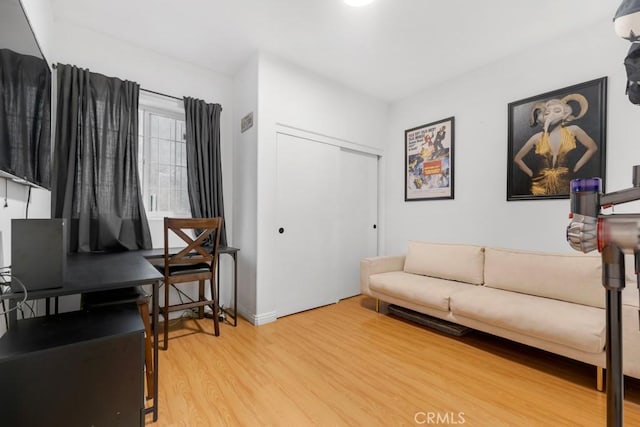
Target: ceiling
point(388, 49)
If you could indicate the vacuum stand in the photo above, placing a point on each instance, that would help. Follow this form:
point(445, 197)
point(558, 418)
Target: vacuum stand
point(613, 235)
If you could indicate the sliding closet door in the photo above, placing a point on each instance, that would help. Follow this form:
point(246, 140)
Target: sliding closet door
point(358, 217)
point(306, 233)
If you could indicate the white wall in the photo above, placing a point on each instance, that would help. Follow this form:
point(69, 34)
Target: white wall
point(291, 96)
point(480, 213)
point(245, 181)
point(40, 17)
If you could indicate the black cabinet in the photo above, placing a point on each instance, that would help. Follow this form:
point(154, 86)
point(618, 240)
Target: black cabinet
point(74, 369)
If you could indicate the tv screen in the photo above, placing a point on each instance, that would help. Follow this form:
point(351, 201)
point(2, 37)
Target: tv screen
point(25, 101)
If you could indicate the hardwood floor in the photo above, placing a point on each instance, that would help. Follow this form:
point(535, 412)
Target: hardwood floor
point(345, 364)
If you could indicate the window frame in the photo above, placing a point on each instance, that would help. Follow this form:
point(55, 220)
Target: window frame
point(151, 104)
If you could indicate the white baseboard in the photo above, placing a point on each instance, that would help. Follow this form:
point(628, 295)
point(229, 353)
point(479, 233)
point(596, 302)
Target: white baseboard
point(258, 319)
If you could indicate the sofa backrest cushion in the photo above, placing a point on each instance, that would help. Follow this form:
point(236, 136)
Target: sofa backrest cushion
point(574, 278)
point(463, 263)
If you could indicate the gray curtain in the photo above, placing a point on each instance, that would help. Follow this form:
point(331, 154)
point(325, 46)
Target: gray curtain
point(96, 185)
point(204, 166)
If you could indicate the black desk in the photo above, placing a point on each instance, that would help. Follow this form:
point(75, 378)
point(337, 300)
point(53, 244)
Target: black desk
point(101, 272)
point(233, 252)
point(90, 272)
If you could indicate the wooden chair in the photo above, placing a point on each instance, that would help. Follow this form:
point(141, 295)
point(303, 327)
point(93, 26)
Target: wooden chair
point(137, 295)
point(196, 262)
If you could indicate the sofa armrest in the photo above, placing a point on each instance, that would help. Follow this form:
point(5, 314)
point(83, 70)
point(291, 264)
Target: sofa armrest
point(375, 265)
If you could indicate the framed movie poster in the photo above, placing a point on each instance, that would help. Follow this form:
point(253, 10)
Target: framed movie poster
point(554, 138)
point(428, 161)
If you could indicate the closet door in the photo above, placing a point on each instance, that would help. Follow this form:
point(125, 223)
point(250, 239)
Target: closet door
point(358, 217)
point(306, 212)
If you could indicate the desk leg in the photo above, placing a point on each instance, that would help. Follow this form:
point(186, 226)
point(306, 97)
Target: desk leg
point(220, 309)
point(156, 315)
point(234, 314)
point(235, 289)
point(13, 314)
point(155, 298)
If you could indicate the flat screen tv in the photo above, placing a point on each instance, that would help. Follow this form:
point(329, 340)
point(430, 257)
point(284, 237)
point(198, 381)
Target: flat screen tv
point(25, 101)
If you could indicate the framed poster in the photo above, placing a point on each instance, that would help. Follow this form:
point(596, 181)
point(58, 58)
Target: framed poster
point(428, 161)
point(556, 137)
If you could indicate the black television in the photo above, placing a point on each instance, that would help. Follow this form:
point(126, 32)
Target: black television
point(25, 101)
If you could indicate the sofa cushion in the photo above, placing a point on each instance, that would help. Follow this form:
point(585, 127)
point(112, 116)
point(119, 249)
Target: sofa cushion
point(428, 291)
point(574, 325)
point(464, 263)
point(573, 278)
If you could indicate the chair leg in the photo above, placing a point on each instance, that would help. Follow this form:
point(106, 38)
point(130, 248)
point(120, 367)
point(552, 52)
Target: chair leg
point(165, 314)
point(143, 307)
point(201, 298)
point(214, 308)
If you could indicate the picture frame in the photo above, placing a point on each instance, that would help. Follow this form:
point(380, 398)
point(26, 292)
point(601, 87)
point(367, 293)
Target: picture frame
point(540, 165)
point(429, 161)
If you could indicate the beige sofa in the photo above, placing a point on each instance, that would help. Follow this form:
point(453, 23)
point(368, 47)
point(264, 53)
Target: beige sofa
point(550, 301)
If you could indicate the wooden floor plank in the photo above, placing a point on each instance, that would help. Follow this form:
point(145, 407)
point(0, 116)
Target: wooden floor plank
point(346, 365)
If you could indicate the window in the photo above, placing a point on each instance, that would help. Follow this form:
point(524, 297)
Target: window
point(162, 157)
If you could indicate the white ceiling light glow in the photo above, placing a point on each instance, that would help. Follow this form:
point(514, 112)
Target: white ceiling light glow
point(357, 3)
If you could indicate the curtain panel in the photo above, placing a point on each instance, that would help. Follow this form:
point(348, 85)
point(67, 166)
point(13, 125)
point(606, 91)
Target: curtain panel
point(96, 184)
point(204, 164)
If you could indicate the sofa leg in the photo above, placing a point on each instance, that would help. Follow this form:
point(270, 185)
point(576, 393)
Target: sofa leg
point(600, 378)
point(377, 305)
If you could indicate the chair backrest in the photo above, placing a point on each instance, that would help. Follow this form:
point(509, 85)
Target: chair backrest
point(194, 253)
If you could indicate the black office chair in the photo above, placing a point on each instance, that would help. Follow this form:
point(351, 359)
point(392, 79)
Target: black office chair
point(196, 262)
